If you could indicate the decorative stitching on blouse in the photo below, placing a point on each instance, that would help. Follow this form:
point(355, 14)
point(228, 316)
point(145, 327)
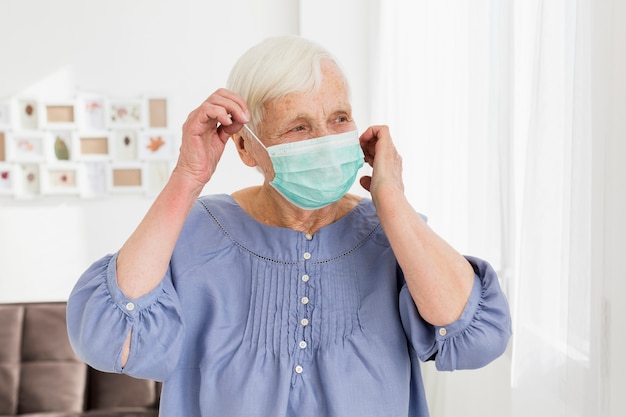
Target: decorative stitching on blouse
point(237, 243)
point(240, 245)
point(349, 251)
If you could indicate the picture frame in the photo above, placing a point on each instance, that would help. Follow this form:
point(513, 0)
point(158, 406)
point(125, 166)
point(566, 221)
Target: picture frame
point(94, 179)
point(26, 146)
point(6, 115)
point(26, 112)
point(124, 144)
point(158, 111)
point(60, 145)
point(127, 178)
point(58, 114)
point(155, 145)
point(61, 178)
point(91, 111)
point(8, 179)
point(125, 113)
point(3, 147)
point(94, 145)
point(28, 183)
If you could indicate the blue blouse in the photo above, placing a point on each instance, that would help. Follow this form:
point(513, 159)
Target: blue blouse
point(255, 320)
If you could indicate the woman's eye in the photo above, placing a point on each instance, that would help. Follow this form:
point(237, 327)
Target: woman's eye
point(342, 119)
point(298, 129)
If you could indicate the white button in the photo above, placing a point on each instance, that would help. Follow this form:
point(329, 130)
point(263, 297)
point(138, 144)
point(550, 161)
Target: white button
point(442, 331)
point(130, 306)
point(304, 300)
point(304, 322)
point(307, 255)
point(308, 236)
point(298, 369)
point(302, 344)
point(305, 278)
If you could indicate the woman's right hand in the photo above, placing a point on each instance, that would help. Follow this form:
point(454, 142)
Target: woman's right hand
point(206, 132)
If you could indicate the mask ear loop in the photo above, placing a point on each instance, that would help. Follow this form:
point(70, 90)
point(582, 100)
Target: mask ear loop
point(255, 136)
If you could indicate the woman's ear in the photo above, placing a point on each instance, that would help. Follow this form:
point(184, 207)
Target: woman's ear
point(243, 150)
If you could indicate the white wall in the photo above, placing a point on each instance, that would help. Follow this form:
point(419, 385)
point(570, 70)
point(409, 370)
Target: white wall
point(118, 48)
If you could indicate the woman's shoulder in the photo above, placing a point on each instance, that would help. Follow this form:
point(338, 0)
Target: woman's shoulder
point(209, 216)
point(222, 203)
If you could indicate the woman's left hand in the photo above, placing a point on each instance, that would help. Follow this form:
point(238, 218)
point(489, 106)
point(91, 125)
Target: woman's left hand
point(383, 157)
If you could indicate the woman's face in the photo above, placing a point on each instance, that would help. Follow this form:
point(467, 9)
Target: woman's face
point(301, 116)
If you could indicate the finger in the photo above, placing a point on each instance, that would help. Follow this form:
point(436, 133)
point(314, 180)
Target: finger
point(368, 144)
point(221, 107)
point(367, 135)
point(231, 129)
point(241, 102)
point(366, 182)
point(225, 132)
point(235, 105)
point(374, 133)
point(209, 112)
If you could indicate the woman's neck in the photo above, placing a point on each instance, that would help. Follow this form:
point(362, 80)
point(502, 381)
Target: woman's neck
point(267, 206)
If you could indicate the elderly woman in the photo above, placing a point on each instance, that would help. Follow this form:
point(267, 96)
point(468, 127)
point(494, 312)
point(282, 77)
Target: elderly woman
point(291, 298)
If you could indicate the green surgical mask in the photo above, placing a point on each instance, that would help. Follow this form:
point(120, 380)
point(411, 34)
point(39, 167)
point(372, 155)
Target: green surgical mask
point(315, 173)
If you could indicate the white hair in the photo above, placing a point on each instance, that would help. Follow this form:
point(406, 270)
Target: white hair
point(276, 67)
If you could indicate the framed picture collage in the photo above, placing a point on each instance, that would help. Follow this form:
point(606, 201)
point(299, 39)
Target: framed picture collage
point(89, 146)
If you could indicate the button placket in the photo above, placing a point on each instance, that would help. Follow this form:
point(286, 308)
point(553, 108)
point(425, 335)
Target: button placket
point(304, 302)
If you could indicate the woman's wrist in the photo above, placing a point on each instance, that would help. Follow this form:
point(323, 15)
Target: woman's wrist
point(184, 184)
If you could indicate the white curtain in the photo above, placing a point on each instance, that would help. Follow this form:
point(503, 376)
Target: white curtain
point(441, 76)
point(489, 102)
point(552, 373)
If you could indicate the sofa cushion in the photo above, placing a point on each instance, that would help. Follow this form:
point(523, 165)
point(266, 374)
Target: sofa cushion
point(9, 375)
point(122, 412)
point(45, 334)
point(52, 386)
point(11, 323)
point(117, 390)
point(52, 378)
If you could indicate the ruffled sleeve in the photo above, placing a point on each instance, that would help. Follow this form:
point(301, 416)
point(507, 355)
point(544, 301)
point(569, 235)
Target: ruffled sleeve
point(100, 316)
point(478, 337)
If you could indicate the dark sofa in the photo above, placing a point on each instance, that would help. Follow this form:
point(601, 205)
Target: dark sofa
point(40, 376)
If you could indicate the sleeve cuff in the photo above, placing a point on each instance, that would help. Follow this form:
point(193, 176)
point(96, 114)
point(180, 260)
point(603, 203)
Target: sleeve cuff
point(130, 307)
point(445, 332)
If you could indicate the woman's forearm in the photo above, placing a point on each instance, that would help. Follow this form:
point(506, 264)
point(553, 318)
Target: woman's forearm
point(144, 258)
point(438, 277)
